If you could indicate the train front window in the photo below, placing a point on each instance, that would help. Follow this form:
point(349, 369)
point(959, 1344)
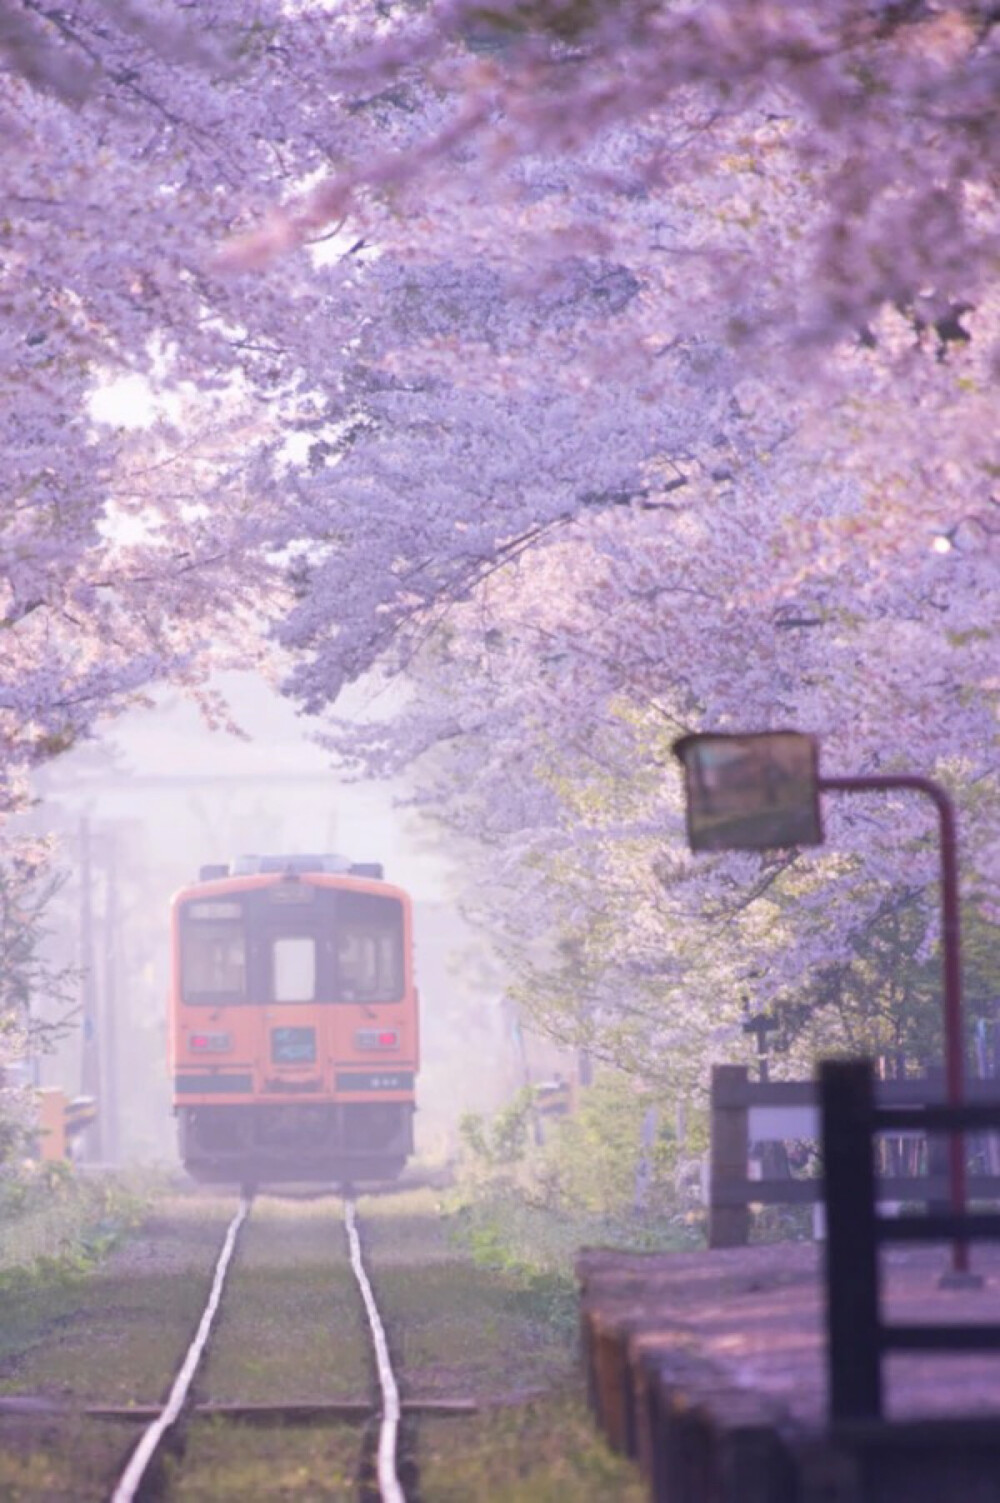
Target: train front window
point(213, 953)
point(369, 945)
point(340, 945)
point(293, 968)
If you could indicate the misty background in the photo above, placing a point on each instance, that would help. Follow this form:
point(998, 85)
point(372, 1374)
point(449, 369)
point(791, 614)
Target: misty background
point(139, 810)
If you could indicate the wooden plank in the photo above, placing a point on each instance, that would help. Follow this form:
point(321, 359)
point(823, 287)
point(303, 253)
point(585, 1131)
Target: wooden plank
point(610, 1382)
point(728, 1225)
point(26, 1405)
point(932, 1117)
point(713, 1443)
point(736, 1089)
point(663, 1363)
point(939, 1226)
point(930, 1432)
point(766, 1192)
point(939, 1338)
point(286, 1413)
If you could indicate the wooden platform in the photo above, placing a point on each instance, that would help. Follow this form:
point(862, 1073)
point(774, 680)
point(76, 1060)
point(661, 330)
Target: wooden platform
point(709, 1369)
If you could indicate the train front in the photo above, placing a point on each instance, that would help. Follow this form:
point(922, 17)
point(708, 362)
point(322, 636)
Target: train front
point(294, 1032)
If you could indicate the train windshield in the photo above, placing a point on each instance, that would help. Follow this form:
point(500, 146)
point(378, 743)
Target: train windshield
point(337, 946)
point(213, 952)
point(369, 936)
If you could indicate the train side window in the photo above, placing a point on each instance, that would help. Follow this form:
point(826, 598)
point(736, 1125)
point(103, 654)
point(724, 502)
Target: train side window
point(293, 968)
point(213, 962)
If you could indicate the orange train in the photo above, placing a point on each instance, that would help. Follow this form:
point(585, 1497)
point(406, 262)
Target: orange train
point(294, 1031)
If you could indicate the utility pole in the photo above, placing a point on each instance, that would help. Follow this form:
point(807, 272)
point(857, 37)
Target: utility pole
point(90, 1064)
point(108, 1105)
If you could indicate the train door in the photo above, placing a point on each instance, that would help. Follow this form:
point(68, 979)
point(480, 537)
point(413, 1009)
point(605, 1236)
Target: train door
point(291, 958)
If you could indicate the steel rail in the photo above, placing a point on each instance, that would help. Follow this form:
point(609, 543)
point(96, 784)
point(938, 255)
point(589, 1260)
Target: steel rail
point(388, 1481)
point(132, 1477)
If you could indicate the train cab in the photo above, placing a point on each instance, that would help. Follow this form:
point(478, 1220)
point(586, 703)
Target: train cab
point(294, 1035)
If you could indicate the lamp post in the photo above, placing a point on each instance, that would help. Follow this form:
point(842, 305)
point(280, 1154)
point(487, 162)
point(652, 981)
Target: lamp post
point(760, 791)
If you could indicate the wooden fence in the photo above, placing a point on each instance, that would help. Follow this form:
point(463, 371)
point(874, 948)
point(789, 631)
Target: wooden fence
point(745, 1111)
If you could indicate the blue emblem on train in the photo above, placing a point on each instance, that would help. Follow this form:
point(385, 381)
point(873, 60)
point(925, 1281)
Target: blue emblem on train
point(293, 1046)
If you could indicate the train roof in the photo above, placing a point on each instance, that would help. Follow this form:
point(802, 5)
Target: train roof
point(257, 866)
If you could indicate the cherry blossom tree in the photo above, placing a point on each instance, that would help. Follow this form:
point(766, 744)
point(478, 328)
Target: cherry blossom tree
point(134, 133)
point(887, 111)
point(545, 716)
point(611, 369)
point(132, 147)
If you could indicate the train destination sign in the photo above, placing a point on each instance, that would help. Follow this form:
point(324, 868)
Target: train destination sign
point(751, 792)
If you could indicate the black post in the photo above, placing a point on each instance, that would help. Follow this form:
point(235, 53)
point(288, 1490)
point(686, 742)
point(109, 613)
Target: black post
point(853, 1345)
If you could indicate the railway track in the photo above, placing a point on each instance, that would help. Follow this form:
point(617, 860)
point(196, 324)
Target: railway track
point(137, 1478)
point(288, 1389)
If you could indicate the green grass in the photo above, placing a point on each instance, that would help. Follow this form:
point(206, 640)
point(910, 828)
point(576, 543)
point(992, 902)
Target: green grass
point(544, 1452)
point(501, 1230)
point(239, 1463)
point(59, 1216)
point(460, 1326)
point(457, 1331)
point(291, 1324)
point(41, 1462)
point(112, 1333)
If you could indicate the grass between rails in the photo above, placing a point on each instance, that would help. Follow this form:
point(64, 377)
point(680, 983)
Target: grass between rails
point(503, 1336)
point(292, 1329)
point(69, 1461)
point(291, 1326)
point(79, 1331)
point(241, 1463)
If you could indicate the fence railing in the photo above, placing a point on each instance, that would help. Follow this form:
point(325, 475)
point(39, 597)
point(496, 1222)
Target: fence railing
point(853, 1113)
point(745, 1111)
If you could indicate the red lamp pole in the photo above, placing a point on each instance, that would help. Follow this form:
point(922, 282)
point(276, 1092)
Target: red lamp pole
point(954, 1050)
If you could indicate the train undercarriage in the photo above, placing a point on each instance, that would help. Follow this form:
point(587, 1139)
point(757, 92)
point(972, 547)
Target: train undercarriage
point(300, 1142)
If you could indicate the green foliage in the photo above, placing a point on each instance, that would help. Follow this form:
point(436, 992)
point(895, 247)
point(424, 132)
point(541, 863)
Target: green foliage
point(534, 1188)
point(887, 999)
point(593, 1157)
point(54, 1225)
point(27, 889)
point(503, 1141)
point(781, 1224)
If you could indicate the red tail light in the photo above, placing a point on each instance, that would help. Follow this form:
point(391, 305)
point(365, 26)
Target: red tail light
point(209, 1043)
point(377, 1038)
